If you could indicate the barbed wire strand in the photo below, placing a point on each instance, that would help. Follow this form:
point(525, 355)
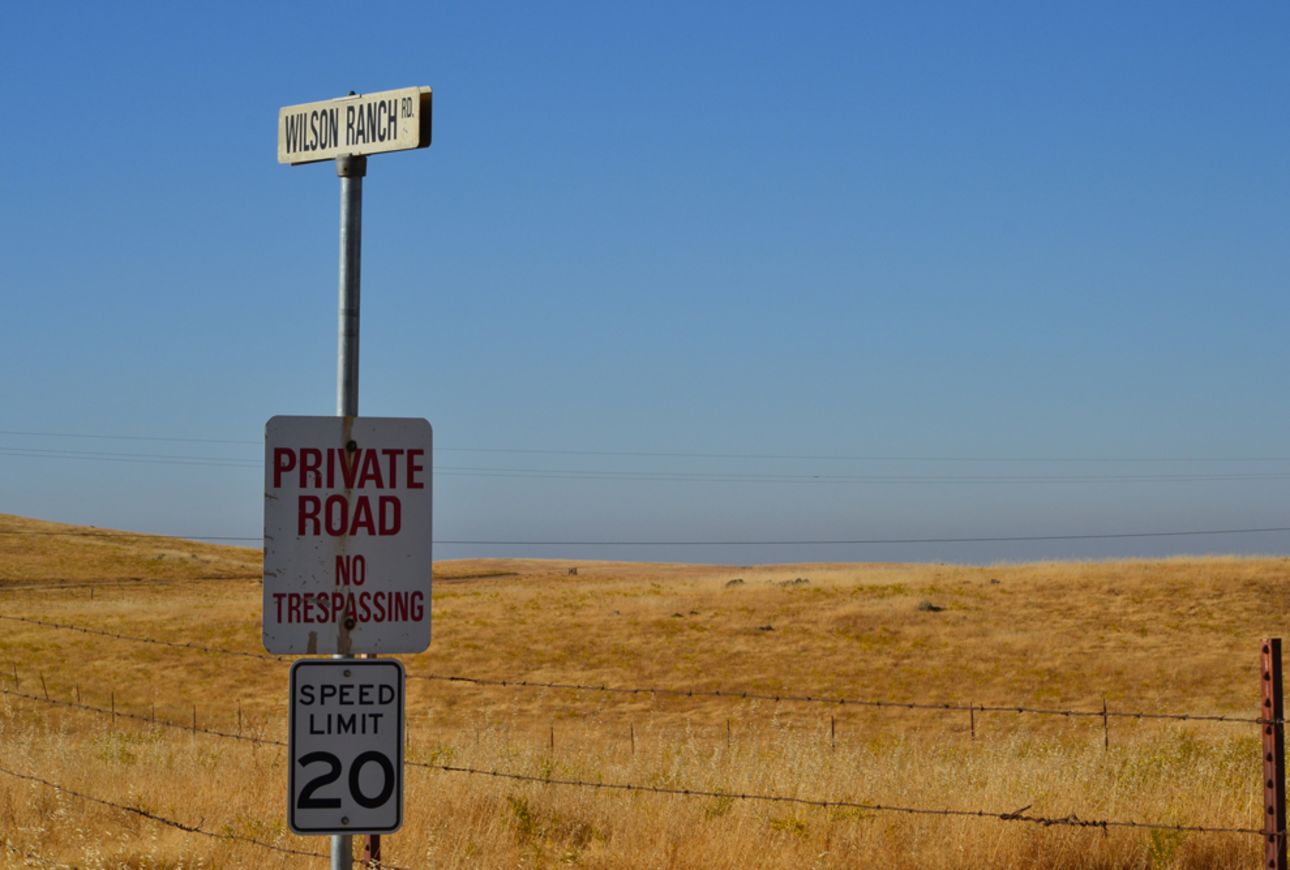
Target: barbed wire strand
point(843, 701)
point(727, 694)
point(43, 583)
point(169, 822)
point(1017, 816)
point(1071, 820)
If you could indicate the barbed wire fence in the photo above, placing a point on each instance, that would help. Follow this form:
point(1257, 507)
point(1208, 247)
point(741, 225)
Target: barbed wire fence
point(1019, 815)
point(1271, 724)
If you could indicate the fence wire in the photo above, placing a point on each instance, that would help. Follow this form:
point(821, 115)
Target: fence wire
point(728, 694)
point(1020, 815)
point(167, 821)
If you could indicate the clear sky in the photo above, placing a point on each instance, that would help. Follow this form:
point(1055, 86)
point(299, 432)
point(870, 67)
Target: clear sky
point(1024, 264)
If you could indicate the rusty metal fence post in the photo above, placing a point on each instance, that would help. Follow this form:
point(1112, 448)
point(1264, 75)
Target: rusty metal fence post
point(1272, 712)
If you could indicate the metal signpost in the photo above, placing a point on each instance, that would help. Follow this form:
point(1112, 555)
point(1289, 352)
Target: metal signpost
point(355, 469)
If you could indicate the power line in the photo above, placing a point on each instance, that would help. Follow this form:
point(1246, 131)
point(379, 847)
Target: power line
point(629, 475)
point(868, 541)
point(680, 454)
point(692, 543)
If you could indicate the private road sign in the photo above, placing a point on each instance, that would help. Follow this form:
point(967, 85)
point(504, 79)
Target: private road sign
point(347, 524)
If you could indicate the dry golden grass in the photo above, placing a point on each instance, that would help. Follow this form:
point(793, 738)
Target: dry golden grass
point(1173, 635)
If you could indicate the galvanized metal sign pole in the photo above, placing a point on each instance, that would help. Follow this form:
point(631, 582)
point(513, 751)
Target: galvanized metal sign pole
point(351, 171)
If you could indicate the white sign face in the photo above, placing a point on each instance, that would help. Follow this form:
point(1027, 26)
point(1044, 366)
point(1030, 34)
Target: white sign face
point(347, 535)
point(355, 125)
point(346, 747)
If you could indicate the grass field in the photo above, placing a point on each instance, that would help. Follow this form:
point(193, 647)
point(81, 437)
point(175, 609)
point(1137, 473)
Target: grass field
point(1176, 635)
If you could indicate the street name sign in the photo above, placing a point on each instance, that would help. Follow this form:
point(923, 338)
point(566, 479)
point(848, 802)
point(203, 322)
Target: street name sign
point(355, 125)
point(347, 526)
point(346, 747)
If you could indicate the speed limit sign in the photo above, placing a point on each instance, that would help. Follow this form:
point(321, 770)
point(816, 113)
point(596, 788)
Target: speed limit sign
point(346, 747)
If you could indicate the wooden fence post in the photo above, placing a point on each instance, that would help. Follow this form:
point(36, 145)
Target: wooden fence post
point(1272, 712)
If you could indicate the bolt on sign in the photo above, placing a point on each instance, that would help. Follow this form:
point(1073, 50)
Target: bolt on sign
point(346, 747)
point(355, 125)
point(347, 527)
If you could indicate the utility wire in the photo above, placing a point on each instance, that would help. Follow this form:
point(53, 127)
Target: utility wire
point(630, 475)
point(684, 543)
point(677, 454)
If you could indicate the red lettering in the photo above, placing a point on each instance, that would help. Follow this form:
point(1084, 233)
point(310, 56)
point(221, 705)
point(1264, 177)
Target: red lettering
point(392, 467)
point(309, 506)
point(371, 472)
point(391, 510)
point(351, 570)
point(363, 516)
point(414, 469)
point(349, 469)
point(310, 463)
point(337, 515)
point(293, 607)
point(284, 459)
point(418, 606)
point(277, 600)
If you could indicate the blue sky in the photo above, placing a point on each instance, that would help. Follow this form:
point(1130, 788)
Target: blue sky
point(997, 234)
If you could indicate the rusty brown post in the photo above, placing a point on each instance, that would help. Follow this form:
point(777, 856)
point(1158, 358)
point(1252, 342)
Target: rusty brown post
point(1272, 712)
point(972, 718)
point(372, 852)
point(1106, 726)
point(833, 732)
